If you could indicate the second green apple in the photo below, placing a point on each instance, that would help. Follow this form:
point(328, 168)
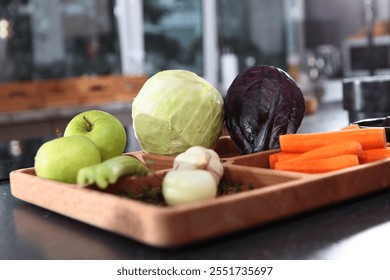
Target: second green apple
point(105, 130)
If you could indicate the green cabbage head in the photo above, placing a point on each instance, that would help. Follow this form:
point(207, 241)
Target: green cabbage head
point(175, 110)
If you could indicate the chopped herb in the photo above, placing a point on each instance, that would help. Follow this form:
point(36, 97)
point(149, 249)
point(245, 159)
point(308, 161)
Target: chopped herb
point(238, 187)
point(153, 195)
point(146, 194)
point(225, 188)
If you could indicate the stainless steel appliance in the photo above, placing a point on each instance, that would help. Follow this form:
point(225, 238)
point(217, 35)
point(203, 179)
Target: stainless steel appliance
point(357, 59)
point(366, 97)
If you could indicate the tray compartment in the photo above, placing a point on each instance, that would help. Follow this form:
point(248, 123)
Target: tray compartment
point(225, 147)
point(235, 179)
point(228, 152)
point(260, 159)
point(158, 162)
point(154, 162)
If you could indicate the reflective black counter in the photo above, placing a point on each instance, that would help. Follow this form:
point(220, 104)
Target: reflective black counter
point(357, 229)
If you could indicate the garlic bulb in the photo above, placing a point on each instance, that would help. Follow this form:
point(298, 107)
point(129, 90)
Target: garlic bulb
point(200, 158)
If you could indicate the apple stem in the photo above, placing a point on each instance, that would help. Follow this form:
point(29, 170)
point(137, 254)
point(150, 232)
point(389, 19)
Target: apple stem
point(88, 123)
point(59, 133)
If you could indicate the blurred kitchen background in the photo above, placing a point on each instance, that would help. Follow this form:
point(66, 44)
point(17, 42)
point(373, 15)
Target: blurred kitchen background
point(319, 42)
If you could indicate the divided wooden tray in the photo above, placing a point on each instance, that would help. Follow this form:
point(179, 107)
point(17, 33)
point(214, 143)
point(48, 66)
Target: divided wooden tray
point(266, 195)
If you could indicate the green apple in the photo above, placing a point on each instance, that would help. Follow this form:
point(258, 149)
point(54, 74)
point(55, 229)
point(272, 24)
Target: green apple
point(61, 159)
point(105, 130)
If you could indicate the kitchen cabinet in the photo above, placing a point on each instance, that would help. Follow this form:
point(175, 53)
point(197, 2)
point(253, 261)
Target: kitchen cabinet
point(36, 108)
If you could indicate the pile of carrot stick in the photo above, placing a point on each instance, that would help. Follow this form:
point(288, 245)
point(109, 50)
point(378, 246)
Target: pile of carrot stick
point(330, 151)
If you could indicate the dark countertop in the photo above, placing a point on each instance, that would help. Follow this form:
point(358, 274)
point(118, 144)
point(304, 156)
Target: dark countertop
point(356, 229)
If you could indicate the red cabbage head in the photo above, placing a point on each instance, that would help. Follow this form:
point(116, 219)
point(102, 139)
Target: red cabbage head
point(262, 103)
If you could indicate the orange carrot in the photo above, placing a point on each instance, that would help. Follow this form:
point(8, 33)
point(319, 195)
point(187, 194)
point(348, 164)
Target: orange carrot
point(318, 165)
point(371, 155)
point(332, 150)
point(369, 138)
point(279, 156)
point(351, 126)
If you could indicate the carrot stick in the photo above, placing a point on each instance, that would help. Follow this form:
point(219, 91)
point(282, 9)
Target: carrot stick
point(351, 126)
point(279, 156)
point(371, 155)
point(318, 165)
point(369, 138)
point(332, 150)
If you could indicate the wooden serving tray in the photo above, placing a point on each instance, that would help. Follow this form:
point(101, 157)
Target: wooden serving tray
point(266, 195)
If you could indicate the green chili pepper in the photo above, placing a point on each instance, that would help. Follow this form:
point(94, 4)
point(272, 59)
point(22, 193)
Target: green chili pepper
point(109, 171)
